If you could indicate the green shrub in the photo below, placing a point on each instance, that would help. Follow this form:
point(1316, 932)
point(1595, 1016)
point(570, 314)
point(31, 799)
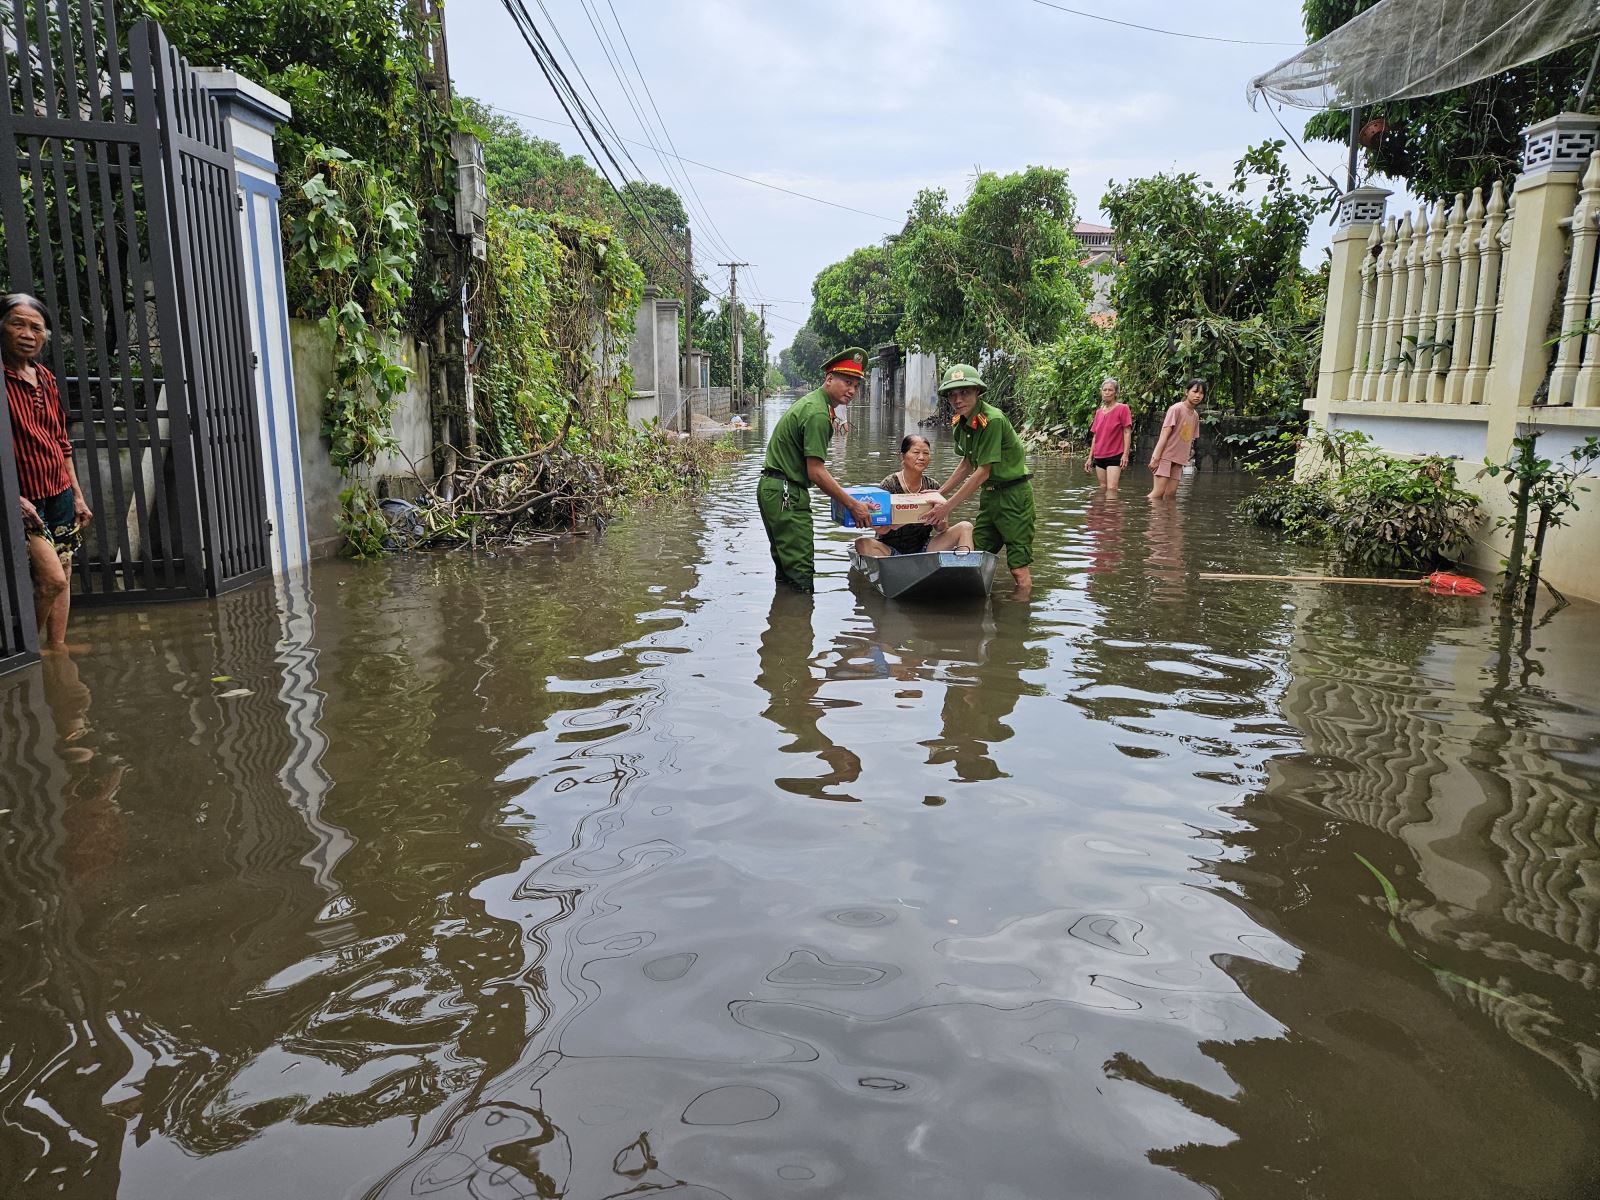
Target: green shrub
point(1377, 512)
point(1061, 380)
point(1402, 515)
point(1301, 508)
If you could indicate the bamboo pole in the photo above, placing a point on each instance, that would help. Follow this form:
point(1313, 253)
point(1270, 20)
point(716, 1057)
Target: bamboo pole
point(1317, 579)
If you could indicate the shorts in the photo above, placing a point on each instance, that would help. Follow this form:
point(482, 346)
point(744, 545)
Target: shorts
point(908, 539)
point(1005, 518)
point(1167, 469)
point(1110, 460)
point(60, 525)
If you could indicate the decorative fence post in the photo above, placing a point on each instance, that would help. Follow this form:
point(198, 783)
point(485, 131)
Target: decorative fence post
point(668, 396)
point(1555, 156)
point(1576, 378)
point(1360, 214)
point(254, 114)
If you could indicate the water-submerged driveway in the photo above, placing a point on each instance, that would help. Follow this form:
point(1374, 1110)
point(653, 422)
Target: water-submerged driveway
point(595, 869)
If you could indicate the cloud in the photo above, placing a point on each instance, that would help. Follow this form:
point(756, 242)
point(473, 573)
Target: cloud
point(865, 104)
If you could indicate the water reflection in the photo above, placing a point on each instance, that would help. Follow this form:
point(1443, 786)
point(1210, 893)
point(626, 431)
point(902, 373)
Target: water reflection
point(1473, 797)
point(507, 877)
point(796, 706)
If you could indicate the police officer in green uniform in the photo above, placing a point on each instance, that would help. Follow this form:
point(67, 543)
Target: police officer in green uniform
point(794, 464)
point(991, 459)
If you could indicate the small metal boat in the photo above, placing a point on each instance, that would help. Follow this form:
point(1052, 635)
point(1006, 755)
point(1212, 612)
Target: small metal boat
point(929, 576)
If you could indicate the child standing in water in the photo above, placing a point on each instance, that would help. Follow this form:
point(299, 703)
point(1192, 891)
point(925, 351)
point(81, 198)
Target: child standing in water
point(1178, 430)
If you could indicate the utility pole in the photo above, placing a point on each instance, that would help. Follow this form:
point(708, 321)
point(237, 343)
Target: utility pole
point(735, 335)
point(688, 328)
point(761, 386)
point(450, 245)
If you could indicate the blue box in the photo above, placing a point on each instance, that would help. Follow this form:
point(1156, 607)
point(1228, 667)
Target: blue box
point(872, 495)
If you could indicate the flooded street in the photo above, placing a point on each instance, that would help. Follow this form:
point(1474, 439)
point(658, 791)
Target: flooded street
point(596, 869)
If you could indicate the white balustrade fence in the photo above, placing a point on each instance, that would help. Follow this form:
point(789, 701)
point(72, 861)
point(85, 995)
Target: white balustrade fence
point(1575, 379)
point(1430, 288)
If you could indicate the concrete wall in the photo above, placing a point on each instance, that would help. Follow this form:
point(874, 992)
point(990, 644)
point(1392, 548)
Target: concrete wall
point(392, 474)
point(921, 373)
point(653, 355)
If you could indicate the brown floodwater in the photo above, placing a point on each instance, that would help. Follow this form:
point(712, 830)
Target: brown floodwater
point(595, 869)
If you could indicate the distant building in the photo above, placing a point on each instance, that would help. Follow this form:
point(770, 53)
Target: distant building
point(1100, 256)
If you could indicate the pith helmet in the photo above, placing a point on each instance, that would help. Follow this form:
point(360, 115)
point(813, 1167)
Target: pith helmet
point(961, 375)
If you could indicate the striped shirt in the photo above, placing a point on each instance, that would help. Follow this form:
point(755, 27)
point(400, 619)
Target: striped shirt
point(38, 434)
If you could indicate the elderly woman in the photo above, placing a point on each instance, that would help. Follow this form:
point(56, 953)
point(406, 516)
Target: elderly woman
point(910, 479)
point(1111, 438)
point(53, 510)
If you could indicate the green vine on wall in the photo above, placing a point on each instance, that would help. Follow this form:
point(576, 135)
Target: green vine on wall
point(555, 290)
point(356, 244)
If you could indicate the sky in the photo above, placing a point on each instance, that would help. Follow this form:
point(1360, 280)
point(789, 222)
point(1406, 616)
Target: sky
point(865, 102)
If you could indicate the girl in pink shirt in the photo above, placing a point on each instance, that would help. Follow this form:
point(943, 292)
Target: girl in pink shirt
point(1111, 438)
point(1178, 431)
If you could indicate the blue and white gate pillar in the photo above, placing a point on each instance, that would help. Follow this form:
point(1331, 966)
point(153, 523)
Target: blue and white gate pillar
point(253, 115)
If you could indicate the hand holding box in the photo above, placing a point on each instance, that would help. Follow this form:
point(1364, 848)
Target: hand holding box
point(912, 508)
point(877, 497)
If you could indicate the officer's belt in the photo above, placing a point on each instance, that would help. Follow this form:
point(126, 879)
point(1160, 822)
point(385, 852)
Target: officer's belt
point(1000, 485)
point(774, 473)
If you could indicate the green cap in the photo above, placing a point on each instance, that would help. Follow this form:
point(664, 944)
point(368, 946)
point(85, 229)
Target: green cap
point(960, 375)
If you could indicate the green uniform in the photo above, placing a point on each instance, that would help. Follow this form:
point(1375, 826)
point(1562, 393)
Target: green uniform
point(1005, 509)
point(783, 494)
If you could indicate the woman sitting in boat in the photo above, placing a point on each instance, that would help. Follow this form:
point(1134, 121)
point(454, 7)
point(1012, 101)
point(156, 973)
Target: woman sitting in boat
point(911, 478)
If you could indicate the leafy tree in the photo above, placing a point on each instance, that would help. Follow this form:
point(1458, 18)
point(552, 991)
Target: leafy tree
point(1211, 285)
point(711, 335)
point(855, 302)
point(1062, 384)
point(535, 174)
point(347, 67)
point(997, 274)
point(1458, 140)
point(801, 363)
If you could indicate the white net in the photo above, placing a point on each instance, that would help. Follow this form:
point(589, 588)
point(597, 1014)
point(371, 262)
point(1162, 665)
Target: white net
point(1404, 49)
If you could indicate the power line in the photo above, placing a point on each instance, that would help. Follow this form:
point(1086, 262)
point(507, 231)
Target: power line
point(614, 60)
point(667, 133)
point(1199, 37)
point(547, 62)
point(708, 167)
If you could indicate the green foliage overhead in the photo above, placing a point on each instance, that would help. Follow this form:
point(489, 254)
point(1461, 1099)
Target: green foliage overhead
point(1457, 140)
point(1212, 285)
point(855, 302)
point(347, 66)
point(711, 335)
point(536, 174)
point(995, 275)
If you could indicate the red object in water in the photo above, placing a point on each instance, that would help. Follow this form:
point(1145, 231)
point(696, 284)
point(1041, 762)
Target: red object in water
point(1442, 583)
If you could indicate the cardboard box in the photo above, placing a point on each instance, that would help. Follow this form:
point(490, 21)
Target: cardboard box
point(912, 508)
point(875, 496)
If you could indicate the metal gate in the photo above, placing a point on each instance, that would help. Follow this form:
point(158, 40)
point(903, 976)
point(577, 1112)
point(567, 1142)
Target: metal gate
point(120, 202)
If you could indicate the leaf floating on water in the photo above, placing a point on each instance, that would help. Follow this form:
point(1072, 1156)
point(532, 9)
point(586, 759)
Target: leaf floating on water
point(222, 679)
point(235, 692)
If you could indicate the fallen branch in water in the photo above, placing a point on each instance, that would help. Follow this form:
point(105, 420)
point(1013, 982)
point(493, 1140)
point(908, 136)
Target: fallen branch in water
point(507, 498)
